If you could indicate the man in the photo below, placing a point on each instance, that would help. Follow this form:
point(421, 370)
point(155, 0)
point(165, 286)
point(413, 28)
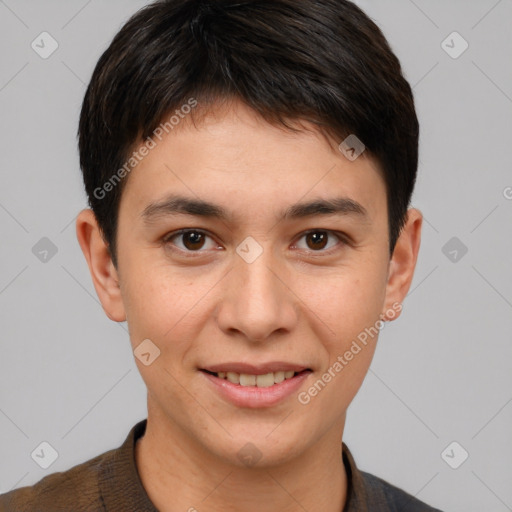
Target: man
point(249, 167)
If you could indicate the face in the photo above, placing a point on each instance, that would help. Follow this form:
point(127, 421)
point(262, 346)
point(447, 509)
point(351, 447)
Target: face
point(249, 249)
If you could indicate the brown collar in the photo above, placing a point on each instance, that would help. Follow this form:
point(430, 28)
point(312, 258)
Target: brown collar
point(121, 487)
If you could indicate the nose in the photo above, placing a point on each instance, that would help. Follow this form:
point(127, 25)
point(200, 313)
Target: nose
point(257, 301)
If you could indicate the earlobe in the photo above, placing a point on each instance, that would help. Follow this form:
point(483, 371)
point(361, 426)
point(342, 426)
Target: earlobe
point(103, 272)
point(402, 265)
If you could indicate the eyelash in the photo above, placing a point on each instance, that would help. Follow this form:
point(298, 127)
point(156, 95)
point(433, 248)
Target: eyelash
point(342, 241)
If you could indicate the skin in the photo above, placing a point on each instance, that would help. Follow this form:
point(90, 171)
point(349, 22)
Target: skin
point(298, 302)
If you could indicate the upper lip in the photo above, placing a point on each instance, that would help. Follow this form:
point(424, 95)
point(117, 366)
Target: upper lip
point(255, 369)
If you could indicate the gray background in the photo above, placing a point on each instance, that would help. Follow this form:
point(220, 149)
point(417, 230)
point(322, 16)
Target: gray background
point(442, 372)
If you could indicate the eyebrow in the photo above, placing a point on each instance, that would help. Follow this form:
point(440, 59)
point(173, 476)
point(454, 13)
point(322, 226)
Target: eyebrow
point(176, 205)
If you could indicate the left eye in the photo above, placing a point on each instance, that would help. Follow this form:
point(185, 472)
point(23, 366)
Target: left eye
point(192, 240)
point(318, 240)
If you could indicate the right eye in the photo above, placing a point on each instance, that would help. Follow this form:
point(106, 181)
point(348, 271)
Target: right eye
point(189, 240)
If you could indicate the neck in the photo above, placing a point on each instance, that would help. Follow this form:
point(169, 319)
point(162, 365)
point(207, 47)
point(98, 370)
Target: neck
point(179, 475)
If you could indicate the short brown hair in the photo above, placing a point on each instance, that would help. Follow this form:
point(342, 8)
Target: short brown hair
point(324, 61)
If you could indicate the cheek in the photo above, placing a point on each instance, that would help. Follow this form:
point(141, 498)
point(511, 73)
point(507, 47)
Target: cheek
point(162, 307)
point(166, 305)
point(154, 300)
point(351, 309)
point(347, 300)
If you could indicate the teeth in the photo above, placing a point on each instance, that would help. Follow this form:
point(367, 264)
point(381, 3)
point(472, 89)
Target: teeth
point(265, 381)
point(278, 377)
point(247, 380)
point(261, 381)
point(233, 377)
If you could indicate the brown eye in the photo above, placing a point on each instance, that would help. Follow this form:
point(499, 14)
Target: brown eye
point(317, 239)
point(320, 240)
point(193, 240)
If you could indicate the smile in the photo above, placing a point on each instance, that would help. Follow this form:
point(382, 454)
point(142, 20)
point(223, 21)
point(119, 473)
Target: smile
point(260, 388)
point(261, 381)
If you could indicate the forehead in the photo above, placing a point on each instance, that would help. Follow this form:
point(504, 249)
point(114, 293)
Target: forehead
point(235, 159)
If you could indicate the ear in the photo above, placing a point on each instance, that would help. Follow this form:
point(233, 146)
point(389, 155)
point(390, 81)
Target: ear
point(402, 265)
point(103, 272)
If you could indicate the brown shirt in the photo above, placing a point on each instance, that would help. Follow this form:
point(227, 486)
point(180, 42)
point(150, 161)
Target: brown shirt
point(110, 483)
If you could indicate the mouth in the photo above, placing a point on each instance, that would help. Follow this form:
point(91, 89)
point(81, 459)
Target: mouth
point(248, 386)
point(256, 385)
point(259, 380)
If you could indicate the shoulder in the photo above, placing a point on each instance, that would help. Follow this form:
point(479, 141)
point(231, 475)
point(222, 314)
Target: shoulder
point(74, 489)
point(383, 493)
point(367, 492)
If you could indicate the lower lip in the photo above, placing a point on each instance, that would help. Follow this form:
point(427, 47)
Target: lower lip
point(254, 397)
